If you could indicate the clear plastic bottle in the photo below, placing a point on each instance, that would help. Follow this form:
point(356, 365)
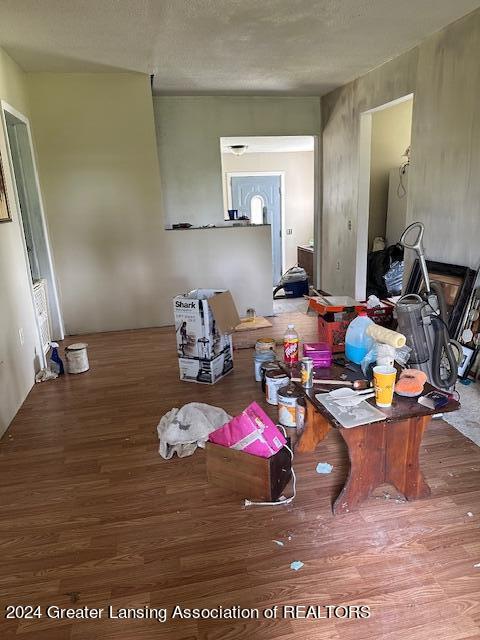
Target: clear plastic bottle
point(357, 342)
point(290, 345)
point(55, 362)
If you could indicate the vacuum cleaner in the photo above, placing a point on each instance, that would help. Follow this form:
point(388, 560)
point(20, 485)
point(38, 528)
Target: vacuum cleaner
point(294, 283)
point(423, 321)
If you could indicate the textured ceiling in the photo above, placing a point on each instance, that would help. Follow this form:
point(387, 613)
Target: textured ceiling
point(222, 46)
point(269, 144)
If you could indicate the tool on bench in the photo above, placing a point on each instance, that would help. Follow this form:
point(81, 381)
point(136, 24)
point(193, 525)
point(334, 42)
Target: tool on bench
point(355, 384)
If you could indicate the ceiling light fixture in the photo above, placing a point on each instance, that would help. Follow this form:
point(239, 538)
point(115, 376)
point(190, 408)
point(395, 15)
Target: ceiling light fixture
point(238, 149)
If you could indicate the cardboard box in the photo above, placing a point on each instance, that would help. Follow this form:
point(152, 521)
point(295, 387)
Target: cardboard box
point(252, 477)
point(204, 370)
point(204, 320)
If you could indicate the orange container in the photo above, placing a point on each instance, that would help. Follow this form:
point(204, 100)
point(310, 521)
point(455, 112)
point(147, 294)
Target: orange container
point(334, 315)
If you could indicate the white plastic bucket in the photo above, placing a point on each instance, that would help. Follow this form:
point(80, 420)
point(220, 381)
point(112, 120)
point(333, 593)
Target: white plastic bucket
point(76, 358)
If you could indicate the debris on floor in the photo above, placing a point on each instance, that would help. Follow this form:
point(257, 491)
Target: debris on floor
point(469, 514)
point(296, 565)
point(45, 374)
point(181, 431)
point(279, 542)
point(252, 431)
point(324, 467)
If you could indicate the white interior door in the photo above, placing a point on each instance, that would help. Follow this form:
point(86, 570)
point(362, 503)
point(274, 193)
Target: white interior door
point(31, 210)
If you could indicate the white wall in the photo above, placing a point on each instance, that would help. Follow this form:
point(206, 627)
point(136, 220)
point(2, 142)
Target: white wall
point(235, 258)
point(188, 136)
point(444, 188)
point(117, 266)
point(299, 185)
point(391, 135)
point(16, 309)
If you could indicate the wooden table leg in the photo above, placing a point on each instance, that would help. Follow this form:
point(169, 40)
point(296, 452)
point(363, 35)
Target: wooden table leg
point(366, 452)
point(383, 453)
point(402, 465)
point(316, 428)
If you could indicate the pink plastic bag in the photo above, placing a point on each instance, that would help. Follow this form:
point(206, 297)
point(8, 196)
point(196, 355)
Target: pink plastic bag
point(252, 431)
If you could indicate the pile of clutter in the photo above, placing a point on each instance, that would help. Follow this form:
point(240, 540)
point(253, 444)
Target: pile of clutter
point(247, 453)
point(76, 359)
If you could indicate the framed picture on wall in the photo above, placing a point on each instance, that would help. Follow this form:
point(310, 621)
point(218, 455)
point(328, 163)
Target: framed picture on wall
point(4, 206)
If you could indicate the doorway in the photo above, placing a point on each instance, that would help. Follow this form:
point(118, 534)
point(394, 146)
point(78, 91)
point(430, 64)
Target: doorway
point(33, 224)
point(259, 197)
point(272, 180)
point(384, 167)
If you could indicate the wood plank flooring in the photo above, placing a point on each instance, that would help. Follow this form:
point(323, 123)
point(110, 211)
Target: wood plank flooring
point(90, 515)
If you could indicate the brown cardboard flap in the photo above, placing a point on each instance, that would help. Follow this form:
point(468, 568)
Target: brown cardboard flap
point(224, 311)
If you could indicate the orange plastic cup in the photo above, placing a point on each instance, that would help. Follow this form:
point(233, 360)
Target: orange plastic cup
point(384, 377)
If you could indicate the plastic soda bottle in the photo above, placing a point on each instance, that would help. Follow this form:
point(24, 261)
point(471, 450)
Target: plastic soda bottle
point(290, 345)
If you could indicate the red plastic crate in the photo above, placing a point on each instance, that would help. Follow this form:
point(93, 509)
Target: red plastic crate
point(333, 331)
point(381, 315)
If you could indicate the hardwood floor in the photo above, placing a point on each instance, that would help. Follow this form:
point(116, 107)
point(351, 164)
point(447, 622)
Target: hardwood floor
point(90, 515)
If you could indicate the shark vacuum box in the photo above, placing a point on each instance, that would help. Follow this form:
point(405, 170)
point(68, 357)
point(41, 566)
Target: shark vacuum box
point(204, 322)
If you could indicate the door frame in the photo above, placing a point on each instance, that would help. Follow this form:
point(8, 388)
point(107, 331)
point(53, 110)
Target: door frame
point(363, 202)
point(245, 174)
point(5, 107)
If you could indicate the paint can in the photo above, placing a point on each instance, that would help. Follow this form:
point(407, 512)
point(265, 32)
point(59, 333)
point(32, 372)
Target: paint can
point(265, 344)
point(259, 359)
point(275, 379)
point(76, 358)
point(306, 372)
point(267, 366)
point(300, 414)
point(287, 406)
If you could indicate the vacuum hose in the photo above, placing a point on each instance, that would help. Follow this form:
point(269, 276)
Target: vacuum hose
point(442, 347)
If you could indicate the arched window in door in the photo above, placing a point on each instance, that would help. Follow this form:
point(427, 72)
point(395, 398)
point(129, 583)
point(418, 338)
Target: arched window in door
point(257, 204)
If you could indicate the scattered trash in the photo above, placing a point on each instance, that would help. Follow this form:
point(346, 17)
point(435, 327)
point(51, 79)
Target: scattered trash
point(477, 566)
point(45, 374)
point(469, 514)
point(181, 431)
point(324, 467)
point(297, 565)
point(289, 538)
point(279, 542)
point(252, 431)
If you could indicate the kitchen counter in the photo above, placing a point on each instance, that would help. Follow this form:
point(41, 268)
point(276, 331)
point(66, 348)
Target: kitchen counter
point(305, 260)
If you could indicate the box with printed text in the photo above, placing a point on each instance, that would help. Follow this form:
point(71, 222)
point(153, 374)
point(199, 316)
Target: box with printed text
point(204, 322)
